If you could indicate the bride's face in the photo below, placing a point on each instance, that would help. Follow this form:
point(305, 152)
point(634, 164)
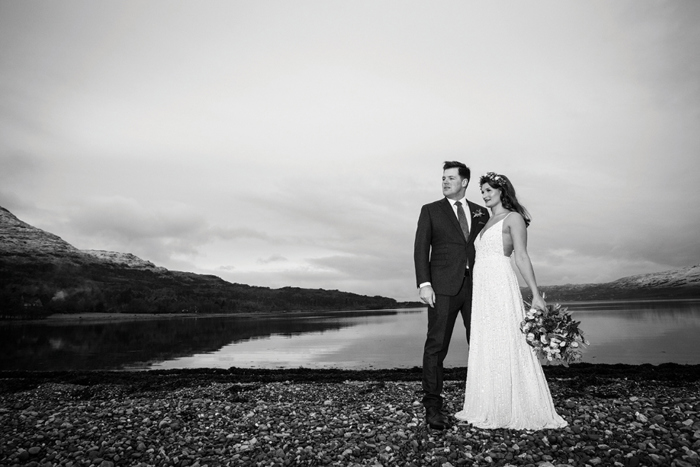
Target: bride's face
point(491, 196)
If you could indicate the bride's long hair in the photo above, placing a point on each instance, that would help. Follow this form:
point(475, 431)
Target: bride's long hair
point(508, 198)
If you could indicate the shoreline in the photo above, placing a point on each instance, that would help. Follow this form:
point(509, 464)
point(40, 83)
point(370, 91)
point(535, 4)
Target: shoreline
point(668, 372)
point(117, 317)
point(626, 415)
point(106, 317)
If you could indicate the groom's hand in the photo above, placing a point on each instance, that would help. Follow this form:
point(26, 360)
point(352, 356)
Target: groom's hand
point(427, 295)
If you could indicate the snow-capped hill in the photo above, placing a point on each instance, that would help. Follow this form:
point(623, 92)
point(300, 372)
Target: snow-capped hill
point(19, 238)
point(676, 284)
point(688, 276)
point(123, 259)
point(25, 242)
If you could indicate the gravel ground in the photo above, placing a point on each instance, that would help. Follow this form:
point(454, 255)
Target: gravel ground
point(618, 415)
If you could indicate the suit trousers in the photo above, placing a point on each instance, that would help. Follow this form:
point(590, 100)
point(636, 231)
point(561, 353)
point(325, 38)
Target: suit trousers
point(441, 322)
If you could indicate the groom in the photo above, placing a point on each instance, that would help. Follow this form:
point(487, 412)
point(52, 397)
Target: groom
point(443, 256)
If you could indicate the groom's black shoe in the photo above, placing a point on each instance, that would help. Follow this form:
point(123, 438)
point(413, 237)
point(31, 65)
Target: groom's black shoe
point(435, 419)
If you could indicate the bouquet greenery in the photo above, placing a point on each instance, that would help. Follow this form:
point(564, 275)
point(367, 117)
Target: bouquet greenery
point(554, 335)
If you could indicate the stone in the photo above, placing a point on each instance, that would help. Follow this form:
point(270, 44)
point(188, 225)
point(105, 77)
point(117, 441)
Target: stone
point(681, 463)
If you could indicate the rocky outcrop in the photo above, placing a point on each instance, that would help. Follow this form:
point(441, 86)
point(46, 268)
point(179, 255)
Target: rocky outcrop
point(26, 243)
point(17, 238)
point(126, 260)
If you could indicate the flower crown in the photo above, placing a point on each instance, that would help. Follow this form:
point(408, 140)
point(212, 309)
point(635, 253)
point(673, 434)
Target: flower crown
point(493, 178)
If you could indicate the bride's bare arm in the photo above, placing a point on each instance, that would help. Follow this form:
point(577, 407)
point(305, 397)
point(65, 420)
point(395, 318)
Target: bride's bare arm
point(518, 232)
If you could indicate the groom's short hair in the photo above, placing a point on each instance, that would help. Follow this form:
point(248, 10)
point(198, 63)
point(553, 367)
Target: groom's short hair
point(464, 171)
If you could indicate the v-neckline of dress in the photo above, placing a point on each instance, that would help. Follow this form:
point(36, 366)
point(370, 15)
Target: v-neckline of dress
point(483, 232)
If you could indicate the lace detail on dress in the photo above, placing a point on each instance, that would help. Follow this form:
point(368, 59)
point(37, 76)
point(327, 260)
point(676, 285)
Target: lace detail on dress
point(506, 387)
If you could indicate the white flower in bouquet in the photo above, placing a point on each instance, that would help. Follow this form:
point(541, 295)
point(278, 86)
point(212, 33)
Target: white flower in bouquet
point(553, 334)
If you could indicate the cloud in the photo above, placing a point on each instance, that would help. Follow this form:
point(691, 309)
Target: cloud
point(295, 146)
point(666, 38)
point(128, 218)
point(11, 201)
point(17, 164)
point(331, 275)
point(368, 267)
point(19, 171)
point(156, 231)
point(272, 259)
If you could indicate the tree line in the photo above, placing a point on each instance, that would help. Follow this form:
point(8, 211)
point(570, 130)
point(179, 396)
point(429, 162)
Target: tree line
point(31, 288)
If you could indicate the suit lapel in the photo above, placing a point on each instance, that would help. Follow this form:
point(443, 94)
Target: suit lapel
point(447, 207)
point(479, 219)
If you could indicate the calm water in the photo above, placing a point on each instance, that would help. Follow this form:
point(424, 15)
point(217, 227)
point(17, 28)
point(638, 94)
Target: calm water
point(620, 332)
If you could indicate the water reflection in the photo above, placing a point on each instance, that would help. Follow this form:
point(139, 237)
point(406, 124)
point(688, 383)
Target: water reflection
point(117, 345)
point(640, 332)
point(620, 332)
point(376, 341)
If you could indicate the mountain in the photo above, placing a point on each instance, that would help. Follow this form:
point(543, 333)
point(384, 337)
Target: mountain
point(677, 283)
point(40, 273)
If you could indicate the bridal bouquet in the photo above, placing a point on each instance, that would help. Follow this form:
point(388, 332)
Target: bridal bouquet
point(553, 334)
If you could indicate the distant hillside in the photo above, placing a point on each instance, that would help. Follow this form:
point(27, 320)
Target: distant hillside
point(678, 283)
point(40, 273)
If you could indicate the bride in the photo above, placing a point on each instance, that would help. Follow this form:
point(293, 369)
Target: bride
point(506, 387)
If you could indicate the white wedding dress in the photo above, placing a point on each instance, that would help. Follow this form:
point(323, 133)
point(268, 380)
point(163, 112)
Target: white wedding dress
point(506, 387)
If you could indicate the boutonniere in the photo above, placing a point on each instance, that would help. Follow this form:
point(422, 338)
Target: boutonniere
point(478, 213)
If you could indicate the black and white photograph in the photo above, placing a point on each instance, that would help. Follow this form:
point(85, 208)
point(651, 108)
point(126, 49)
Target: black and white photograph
point(349, 233)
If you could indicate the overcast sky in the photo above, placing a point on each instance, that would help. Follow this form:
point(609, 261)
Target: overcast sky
point(294, 142)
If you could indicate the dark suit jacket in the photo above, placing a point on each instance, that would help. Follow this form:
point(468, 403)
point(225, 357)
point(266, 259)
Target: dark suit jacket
point(440, 251)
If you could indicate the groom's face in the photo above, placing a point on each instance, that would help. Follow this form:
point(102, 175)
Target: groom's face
point(453, 185)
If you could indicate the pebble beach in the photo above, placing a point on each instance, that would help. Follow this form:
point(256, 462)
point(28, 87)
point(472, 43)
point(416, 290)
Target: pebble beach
point(618, 415)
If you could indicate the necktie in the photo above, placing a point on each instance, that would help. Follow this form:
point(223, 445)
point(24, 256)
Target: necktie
point(462, 220)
